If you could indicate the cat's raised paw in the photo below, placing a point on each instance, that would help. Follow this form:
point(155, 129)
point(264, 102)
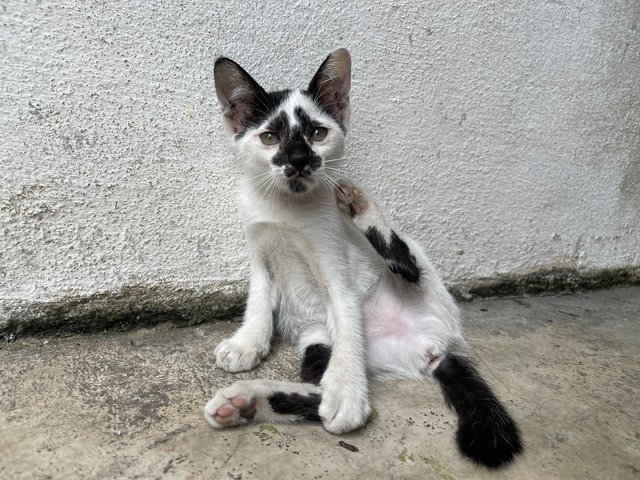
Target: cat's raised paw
point(229, 411)
point(361, 208)
point(233, 356)
point(351, 200)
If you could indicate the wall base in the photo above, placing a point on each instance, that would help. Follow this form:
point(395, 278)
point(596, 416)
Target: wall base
point(139, 305)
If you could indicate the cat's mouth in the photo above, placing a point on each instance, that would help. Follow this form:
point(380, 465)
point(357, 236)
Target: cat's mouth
point(299, 183)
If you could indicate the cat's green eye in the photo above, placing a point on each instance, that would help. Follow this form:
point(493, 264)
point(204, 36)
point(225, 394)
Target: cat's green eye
point(270, 138)
point(319, 134)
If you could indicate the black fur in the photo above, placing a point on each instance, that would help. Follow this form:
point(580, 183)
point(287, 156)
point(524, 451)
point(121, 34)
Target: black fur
point(486, 432)
point(265, 103)
point(307, 126)
point(262, 103)
point(314, 363)
point(305, 406)
point(398, 257)
point(294, 152)
point(296, 186)
point(279, 124)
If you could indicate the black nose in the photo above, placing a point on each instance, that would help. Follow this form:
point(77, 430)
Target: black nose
point(299, 160)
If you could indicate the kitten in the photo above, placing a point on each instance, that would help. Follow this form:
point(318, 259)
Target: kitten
point(359, 299)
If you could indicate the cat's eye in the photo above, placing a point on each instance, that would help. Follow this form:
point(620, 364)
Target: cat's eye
point(270, 138)
point(319, 134)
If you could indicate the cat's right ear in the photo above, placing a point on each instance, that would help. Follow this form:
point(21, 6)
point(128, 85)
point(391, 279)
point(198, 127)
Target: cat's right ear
point(331, 84)
point(236, 92)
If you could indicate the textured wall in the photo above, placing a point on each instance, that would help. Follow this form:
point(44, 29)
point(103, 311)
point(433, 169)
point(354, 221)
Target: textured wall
point(505, 136)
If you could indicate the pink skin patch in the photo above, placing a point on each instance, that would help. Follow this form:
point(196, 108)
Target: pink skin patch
point(385, 319)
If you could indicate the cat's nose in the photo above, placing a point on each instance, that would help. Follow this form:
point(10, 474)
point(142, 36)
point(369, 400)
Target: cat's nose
point(299, 160)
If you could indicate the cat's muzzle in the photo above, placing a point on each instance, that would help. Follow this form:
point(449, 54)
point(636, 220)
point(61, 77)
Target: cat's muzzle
point(298, 181)
point(291, 171)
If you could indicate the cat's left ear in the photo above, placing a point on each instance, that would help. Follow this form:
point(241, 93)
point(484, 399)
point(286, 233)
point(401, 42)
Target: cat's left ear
point(331, 85)
point(237, 93)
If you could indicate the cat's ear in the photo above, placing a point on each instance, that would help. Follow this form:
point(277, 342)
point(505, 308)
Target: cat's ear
point(237, 93)
point(331, 84)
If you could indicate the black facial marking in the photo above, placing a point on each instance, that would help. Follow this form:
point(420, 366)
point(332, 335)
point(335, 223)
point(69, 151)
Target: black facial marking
point(295, 153)
point(264, 104)
point(486, 432)
point(306, 124)
point(296, 186)
point(306, 406)
point(279, 124)
point(397, 255)
point(337, 118)
point(314, 363)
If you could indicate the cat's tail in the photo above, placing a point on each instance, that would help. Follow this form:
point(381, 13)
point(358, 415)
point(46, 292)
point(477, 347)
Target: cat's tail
point(486, 434)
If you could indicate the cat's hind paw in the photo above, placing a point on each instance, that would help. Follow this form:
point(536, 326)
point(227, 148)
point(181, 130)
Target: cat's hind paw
point(360, 207)
point(234, 356)
point(351, 200)
point(227, 409)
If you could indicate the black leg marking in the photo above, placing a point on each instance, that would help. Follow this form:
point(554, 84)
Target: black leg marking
point(486, 432)
point(306, 406)
point(314, 363)
point(397, 255)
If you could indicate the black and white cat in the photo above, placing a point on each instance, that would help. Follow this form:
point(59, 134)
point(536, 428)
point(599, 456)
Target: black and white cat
point(329, 273)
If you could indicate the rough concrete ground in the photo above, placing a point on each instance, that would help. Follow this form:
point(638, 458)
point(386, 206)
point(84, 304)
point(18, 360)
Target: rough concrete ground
point(129, 405)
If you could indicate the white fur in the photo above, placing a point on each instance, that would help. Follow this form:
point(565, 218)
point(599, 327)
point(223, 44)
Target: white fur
point(256, 391)
point(313, 266)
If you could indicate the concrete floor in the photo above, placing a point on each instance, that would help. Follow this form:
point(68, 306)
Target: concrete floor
point(129, 405)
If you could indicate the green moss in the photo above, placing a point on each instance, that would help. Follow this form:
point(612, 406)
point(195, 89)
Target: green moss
point(138, 305)
point(373, 416)
point(440, 470)
point(129, 307)
point(403, 456)
point(551, 280)
point(267, 427)
point(266, 431)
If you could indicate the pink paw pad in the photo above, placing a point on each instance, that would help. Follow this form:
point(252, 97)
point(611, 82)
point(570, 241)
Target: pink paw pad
point(351, 200)
point(232, 413)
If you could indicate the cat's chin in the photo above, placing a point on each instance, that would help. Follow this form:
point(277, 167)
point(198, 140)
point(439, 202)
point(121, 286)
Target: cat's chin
point(300, 185)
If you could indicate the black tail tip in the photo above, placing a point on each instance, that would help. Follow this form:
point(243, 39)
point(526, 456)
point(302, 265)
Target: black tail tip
point(493, 442)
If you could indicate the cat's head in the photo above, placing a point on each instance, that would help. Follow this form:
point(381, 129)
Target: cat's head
point(287, 139)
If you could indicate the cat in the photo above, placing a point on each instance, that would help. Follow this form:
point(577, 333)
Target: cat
point(360, 300)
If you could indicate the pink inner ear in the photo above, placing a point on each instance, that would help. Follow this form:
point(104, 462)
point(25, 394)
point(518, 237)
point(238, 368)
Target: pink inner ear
point(331, 98)
point(238, 113)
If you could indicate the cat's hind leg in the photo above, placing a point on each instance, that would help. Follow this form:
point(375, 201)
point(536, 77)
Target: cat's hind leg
point(263, 401)
point(366, 215)
point(274, 401)
point(486, 432)
point(315, 349)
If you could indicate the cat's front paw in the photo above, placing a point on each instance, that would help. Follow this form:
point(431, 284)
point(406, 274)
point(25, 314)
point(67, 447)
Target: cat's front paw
point(345, 406)
point(233, 355)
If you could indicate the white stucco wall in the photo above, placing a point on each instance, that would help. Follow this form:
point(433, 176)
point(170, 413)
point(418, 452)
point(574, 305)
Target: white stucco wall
point(503, 135)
